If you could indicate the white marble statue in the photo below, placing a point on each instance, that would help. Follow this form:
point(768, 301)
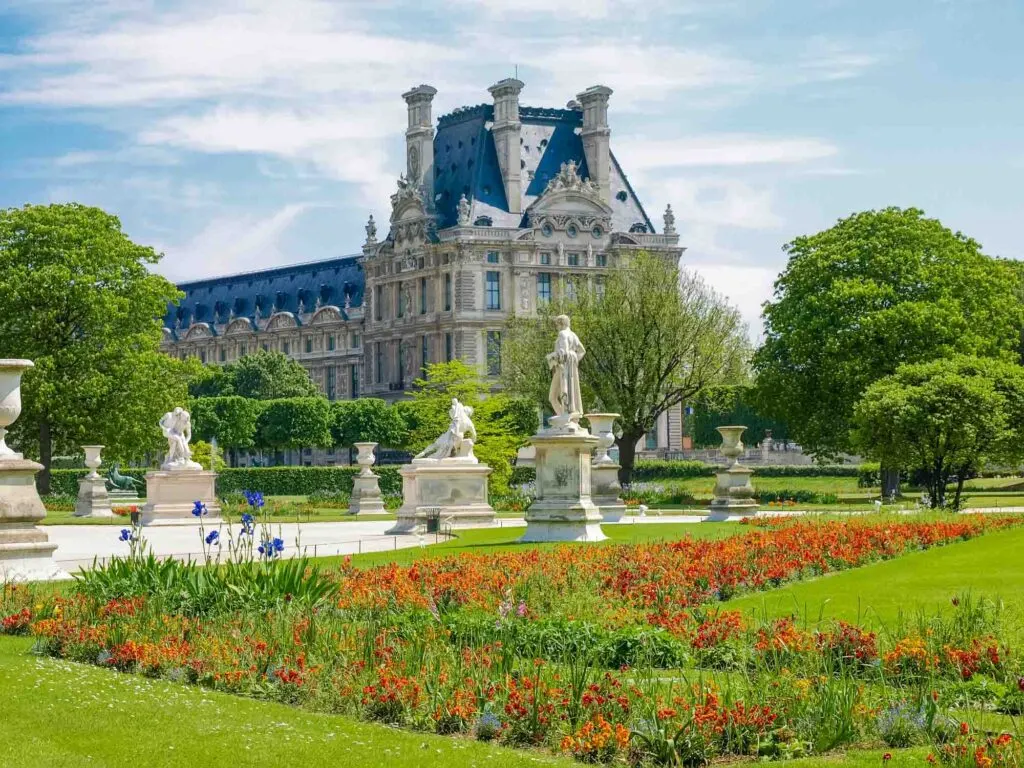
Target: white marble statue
point(177, 428)
point(463, 211)
point(454, 443)
point(564, 394)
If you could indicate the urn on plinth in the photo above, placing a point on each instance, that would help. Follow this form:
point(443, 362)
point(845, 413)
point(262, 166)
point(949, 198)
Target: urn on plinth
point(734, 495)
point(366, 497)
point(93, 499)
point(26, 553)
point(604, 470)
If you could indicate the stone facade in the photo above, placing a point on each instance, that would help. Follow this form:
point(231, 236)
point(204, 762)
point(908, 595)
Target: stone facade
point(501, 207)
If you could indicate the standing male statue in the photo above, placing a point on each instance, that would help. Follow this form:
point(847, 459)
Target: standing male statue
point(564, 394)
point(177, 428)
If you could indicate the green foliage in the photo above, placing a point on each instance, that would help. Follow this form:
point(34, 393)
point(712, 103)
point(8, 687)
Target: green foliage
point(262, 375)
point(65, 481)
point(944, 418)
point(80, 301)
point(230, 419)
point(869, 474)
point(367, 419)
point(301, 481)
point(877, 290)
point(727, 405)
point(656, 337)
point(294, 422)
point(201, 453)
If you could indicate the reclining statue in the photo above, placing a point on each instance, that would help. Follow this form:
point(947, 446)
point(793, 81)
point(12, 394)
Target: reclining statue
point(119, 482)
point(454, 443)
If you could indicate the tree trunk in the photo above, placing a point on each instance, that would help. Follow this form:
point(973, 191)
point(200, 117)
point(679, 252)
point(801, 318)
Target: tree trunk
point(890, 480)
point(45, 457)
point(627, 455)
point(959, 489)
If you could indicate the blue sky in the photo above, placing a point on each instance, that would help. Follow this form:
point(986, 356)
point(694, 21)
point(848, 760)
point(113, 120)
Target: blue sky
point(239, 134)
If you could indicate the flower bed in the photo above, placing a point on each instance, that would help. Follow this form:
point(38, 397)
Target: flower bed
point(570, 649)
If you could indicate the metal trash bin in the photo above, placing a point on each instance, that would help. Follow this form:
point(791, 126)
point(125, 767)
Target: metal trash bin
point(433, 520)
point(136, 517)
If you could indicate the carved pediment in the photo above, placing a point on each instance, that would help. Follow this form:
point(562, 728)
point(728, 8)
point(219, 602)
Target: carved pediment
point(328, 314)
point(567, 195)
point(282, 320)
point(239, 325)
point(199, 331)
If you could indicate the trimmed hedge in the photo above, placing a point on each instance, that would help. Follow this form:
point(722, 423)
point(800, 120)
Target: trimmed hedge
point(301, 481)
point(648, 470)
point(65, 481)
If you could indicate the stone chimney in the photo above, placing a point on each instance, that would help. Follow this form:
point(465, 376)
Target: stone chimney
point(595, 136)
point(419, 140)
point(506, 139)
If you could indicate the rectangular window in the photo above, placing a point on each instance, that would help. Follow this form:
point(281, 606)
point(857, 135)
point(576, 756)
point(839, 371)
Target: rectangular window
point(309, 346)
point(202, 356)
point(353, 386)
point(447, 347)
point(493, 290)
point(448, 292)
point(545, 259)
point(266, 347)
point(378, 302)
point(543, 287)
point(378, 364)
point(570, 289)
point(599, 287)
point(223, 355)
point(602, 260)
point(401, 363)
point(330, 343)
point(243, 350)
point(355, 340)
point(423, 295)
point(286, 347)
point(651, 440)
point(424, 354)
point(493, 257)
point(493, 353)
point(574, 259)
point(332, 384)
point(400, 300)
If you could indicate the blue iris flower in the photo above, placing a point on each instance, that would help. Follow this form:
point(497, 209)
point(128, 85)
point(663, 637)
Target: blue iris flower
point(248, 524)
point(126, 535)
point(198, 509)
point(278, 544)
point(271, 547)
point(213, 537)
point(254, 498)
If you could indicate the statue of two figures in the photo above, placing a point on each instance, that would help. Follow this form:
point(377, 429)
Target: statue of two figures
point(564, 363)
point(177, 428)
point(454, 444)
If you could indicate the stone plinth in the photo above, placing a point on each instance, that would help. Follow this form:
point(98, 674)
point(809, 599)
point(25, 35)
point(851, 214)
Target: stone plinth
point(734, 495)
point(563, 509)
point(171, 495)
point(93, 499)
point(455, 488)
point(26, 553)
point(605, 490)
point(366, 498)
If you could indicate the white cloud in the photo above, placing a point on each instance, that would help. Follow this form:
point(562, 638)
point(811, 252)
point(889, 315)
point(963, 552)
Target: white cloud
point(746, 287)
point(720, 150)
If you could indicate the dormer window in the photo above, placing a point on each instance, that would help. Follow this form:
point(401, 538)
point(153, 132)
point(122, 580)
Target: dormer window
point(483, 221)
point(638, 228)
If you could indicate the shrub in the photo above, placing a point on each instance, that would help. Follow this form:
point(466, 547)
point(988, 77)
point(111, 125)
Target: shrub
point(301, 481)
point(869, 475)
point(522, 475)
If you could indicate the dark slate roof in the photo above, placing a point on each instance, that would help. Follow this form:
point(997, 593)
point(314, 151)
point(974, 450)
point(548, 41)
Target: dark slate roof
point(330, 280)
point(466, 162)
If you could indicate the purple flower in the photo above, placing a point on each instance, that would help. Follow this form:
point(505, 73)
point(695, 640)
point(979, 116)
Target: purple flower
point(126, 535)
point(198, 509)
point(213, 537)
point(521, 610)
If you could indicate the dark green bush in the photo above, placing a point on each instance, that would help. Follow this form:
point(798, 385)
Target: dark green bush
point(301, 481)
point(800, 497)
point(869, 475)
point(522, 475)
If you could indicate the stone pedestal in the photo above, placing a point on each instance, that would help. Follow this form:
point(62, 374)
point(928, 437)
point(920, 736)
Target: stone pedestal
point(604, 472)
point(26, 553)
point(563, 509)
point(171, 495)
point(454, 488)
point(93, 499)
point(366, 497)
point(734, 495)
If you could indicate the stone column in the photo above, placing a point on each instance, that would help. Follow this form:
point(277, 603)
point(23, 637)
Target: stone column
point(604, 471)
point(26, 553)
point(93, 499)
point(366, 497)
point(734, 495)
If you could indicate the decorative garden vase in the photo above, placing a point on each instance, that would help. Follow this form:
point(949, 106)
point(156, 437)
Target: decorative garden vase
point(92, 459)
point(601, 427)
point(365, 459)
point(732, 447)
point(10, 399)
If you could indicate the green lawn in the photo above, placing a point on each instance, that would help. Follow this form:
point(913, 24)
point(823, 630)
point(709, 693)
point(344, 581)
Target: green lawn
point(879, 593)
point(58, 714)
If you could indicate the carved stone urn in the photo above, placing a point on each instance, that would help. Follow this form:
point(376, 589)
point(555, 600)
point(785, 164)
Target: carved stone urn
point(365, 459)
point(601, 428)
point(92, 459)
point(732, 446)
point(10, 399)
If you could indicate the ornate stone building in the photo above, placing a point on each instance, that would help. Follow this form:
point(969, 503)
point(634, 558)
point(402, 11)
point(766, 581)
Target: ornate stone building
point(501, 208)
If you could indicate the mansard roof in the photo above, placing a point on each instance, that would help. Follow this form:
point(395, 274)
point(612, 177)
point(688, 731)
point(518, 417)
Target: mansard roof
point(281, 288)
point(466, 163)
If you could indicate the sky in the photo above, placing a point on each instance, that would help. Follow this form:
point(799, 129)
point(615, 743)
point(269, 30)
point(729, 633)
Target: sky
point(234, 135)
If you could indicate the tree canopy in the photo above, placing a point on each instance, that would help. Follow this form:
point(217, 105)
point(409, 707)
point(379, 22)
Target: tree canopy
point(655, 335)
point(262, 375)
point(731, 404)
point(944, 418)
point(80, 302)
point(367, 419)
point(877, 290)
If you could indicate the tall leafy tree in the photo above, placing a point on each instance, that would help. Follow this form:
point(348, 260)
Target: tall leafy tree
point(944, 418)
point(877, 290)
point(261, 376)
point(656, 336)
point(367, 419)
point(79, 300)
point(294, 422)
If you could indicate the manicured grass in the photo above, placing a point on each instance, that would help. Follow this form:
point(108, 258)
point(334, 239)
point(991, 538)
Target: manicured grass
point(881, 593)
point(58, 714)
